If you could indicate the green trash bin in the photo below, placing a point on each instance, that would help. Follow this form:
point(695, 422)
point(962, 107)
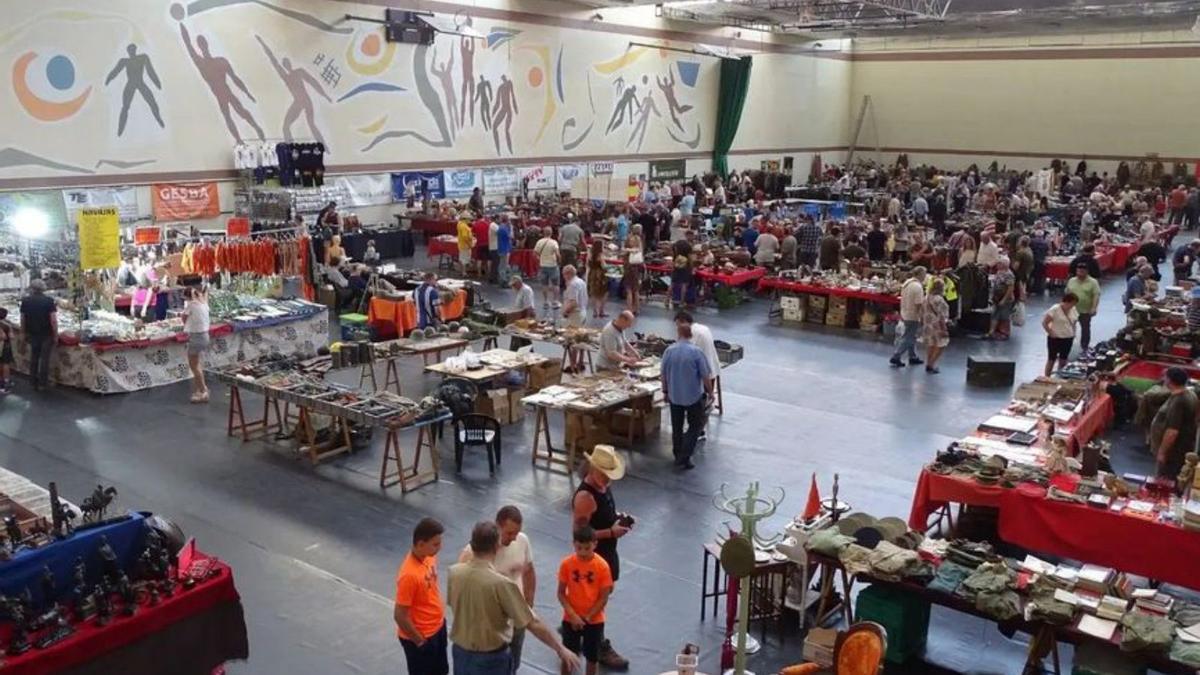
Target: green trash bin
point(905, 617)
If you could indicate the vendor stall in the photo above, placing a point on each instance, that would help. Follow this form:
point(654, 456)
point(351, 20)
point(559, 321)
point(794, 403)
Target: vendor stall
point(856, 304)
point(389, 243)
point(108, 354)
point(399, 316)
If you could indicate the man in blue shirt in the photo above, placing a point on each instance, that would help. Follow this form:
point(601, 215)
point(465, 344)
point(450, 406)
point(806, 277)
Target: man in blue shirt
point(688, 203)
point(429, 302)
point(503, 247)
point(687, 386)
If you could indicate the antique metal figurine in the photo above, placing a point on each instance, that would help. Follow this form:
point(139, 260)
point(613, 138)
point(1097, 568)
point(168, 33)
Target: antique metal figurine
point(96, 505)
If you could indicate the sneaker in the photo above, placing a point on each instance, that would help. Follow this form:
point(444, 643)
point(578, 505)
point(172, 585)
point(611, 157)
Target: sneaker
point(932, 371)
point(915, 362)
point(896, 363)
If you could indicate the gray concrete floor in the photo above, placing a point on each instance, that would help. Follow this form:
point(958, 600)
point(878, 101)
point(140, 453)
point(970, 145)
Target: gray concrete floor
point(315, 551)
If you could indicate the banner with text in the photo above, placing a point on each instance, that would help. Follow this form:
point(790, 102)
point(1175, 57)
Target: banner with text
point(365, 189)
point(540, 177)
point(603, 168)
point(566, 174)
point(147, 235)
point(668, 169)
point(99, 238)
point(462, 182)
point(48, 215)
point(123, 198)
point(416, 183)
point(185, 201)
point(500, 181)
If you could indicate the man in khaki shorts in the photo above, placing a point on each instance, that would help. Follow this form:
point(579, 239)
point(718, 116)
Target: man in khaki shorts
point(574, 301)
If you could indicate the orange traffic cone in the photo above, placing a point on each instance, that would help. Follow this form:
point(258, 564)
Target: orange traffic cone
point(813, 508)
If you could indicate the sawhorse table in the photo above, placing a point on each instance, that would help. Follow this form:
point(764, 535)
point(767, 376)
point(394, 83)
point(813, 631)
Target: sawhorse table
point(410, 477)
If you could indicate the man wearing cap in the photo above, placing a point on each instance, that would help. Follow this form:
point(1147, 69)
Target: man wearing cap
point(594, 506)
point(1173, 430)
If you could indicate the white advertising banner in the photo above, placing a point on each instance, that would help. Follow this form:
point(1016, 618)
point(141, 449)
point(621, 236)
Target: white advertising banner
point(124, 199)
point(603, 168)
point(566, 174)
point(461, 182)
point(540, 177)
point(499, 181)
point(366, 189)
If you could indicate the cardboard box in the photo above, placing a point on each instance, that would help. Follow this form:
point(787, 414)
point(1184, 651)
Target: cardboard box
point(793, 314)
point(585, 433)
point(493, 403)
point(817, 303)
point(789, 302)
point(815, 316)
point(645, 426)
point(818, 646)
point(835, 319)
point(544, 375)
point(516, 411)
point(837, 303)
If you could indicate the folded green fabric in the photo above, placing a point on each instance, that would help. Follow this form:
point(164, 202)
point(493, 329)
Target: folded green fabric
point(949, 576)
point(1002, 605)
point(828, 542)
point(1187, 653)
point(1146, 632)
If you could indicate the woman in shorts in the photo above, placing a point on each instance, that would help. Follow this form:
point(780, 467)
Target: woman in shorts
point(196, 324)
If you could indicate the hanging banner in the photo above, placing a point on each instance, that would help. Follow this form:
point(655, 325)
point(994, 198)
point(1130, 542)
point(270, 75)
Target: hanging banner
point(150, 234)
point(185, 201)
point(365, 189)
point(416, 183)
point(603, 168)
point(123, 198)
point(539, 177)
point(565, 175)
point(668, 169)
point(462, 182)
point(501, 181)
point(51, 214)
point(99, 238)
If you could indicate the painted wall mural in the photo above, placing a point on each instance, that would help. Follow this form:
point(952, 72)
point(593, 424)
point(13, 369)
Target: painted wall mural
point(165, 86)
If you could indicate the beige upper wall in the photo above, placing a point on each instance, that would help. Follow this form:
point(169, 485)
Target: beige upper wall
point(1112, 96)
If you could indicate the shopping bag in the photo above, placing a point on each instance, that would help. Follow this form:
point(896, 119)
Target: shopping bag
point(1018, 316)
point(900, 328)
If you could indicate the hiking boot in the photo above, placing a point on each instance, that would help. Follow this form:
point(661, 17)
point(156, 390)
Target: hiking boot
point(610, 659)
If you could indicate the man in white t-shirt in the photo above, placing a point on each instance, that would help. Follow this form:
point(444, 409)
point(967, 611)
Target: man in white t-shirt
point(1059, 323)
point(1149, 233)
point(514, 560)
point(493, 245)
point(573, 306)
point(912, 300)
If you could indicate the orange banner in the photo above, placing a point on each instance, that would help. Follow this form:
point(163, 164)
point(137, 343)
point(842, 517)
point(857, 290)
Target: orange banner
point(185, 201)
point(147, 235)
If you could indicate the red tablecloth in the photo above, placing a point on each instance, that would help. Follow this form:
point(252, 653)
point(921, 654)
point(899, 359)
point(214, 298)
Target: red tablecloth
point(1099, 536)
point(1090, 424)
point(90, 641)
point(525, 260)
point(935, 491)
point(433, 227)
point(435, 247)
point(797, 287)
point(735, 278)
point(1058, 268)
point(73, 340)
point(400, 316)
point(1122, 254)
point(1154, 370)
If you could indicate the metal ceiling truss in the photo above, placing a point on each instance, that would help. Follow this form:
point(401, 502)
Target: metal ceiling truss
point(815, 14)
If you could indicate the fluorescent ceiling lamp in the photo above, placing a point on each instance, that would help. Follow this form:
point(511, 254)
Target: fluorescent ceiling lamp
point(30, 223)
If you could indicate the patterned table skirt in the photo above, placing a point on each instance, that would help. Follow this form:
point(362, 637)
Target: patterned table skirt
point(118, 371)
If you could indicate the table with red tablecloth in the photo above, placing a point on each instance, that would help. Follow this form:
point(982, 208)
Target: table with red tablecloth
point(1122, 254)
point(195, 631)
point(1099, 536)
point(935, 491)
point(790, 286)
point(398, 317)
point(437, 246)
point(433, 227)
point(1058, 268)
point(738, 277)
point(525, 260)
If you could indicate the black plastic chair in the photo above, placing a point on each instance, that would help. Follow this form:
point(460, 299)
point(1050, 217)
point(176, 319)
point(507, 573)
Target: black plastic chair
point(477, 430)
point(459, 395)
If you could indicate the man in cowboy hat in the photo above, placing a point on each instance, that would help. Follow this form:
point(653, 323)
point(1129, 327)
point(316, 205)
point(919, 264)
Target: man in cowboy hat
point(594, 506)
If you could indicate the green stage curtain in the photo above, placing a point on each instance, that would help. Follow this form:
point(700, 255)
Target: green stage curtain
point(735, 82)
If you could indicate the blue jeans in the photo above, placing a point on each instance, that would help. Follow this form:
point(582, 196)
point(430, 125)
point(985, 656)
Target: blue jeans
point(482, 663)
point(908, 341)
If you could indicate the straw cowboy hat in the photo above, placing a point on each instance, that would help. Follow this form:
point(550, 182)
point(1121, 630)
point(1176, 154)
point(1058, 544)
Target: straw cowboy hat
point(604, 458)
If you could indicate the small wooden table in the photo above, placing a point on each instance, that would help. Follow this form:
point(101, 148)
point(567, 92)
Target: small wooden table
point(494, 366)
point(424, 348)
point(410, 477)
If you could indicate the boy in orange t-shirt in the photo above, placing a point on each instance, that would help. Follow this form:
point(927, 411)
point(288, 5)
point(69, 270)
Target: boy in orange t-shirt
point(420, 614)
point(584, 584)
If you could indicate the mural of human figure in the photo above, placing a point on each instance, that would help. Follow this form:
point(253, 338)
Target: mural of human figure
point(483, 98)
point(137, 68)
point(667, 85)
point(645, 109)
point(445, 75)
point(626, 104)
point(503, 112)
point(466, 49)
point(297, 81)
point(216, 70)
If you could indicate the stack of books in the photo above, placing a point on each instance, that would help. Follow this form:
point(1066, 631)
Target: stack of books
point(1112, 607)
point(1064, 577)
point(1096, 579)
point(1150, 600)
